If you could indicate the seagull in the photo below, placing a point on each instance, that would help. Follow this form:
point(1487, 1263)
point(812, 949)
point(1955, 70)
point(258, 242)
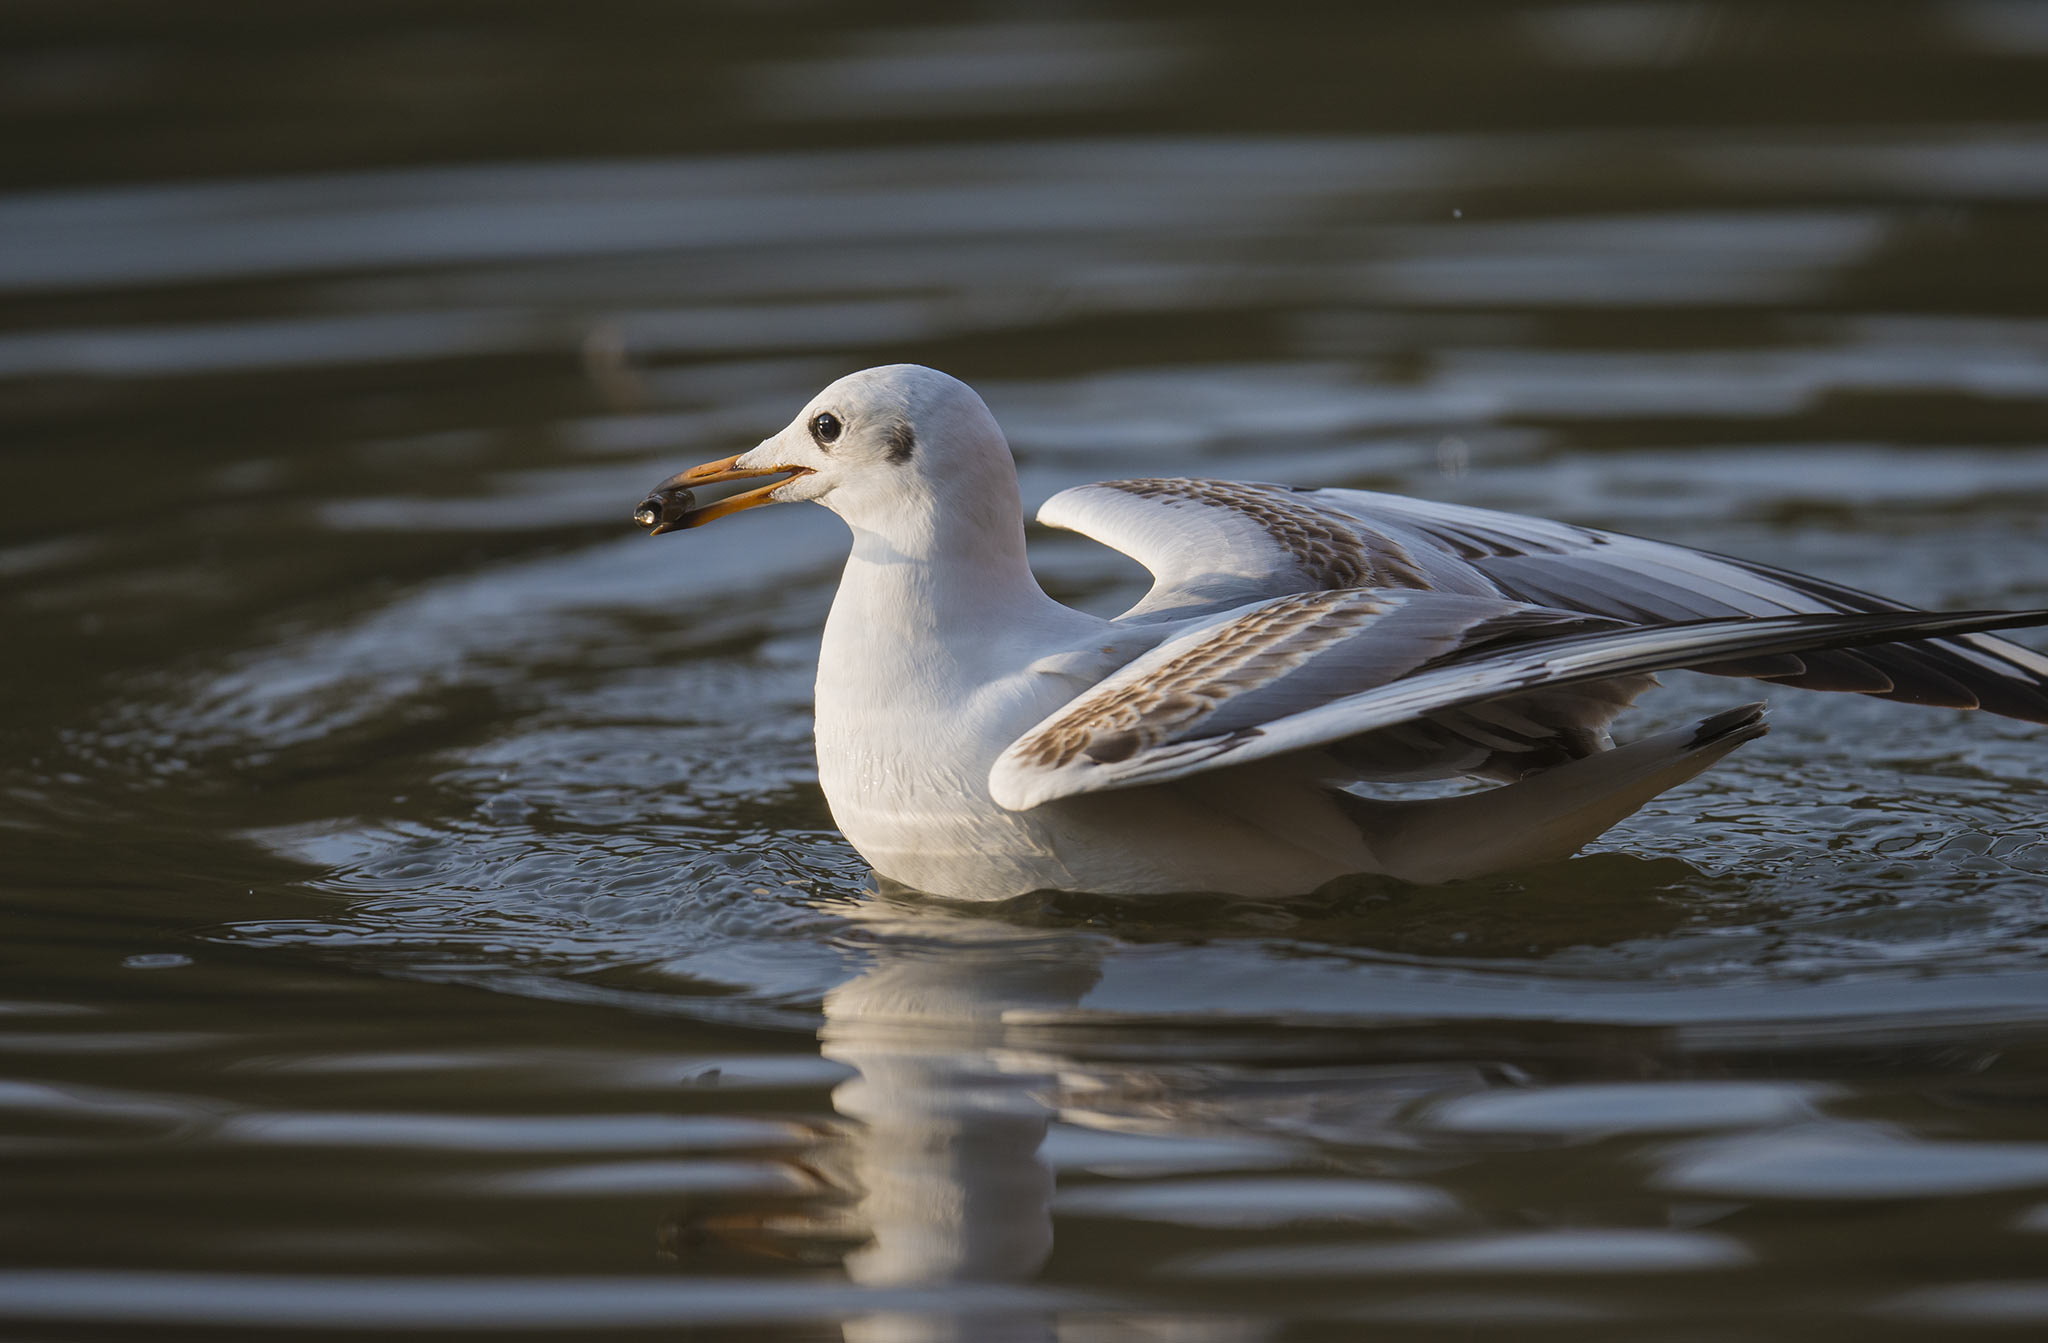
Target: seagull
point(978, 740)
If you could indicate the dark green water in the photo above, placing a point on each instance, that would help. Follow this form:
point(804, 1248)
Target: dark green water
point(417, 910)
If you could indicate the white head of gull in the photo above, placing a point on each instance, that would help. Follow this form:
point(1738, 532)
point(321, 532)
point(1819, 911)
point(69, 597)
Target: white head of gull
point(979, 740)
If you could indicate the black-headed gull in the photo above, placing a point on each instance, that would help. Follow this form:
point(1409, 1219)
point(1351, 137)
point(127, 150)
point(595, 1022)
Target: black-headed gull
point(979, 740)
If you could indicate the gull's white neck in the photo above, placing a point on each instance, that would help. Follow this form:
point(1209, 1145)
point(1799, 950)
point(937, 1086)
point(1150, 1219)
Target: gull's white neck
point(935, 600)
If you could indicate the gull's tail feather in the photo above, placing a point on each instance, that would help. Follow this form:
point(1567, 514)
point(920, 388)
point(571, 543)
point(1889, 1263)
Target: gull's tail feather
point(1547, 816)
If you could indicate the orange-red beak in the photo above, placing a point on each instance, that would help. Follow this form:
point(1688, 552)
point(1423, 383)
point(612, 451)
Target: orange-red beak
point(672, 505)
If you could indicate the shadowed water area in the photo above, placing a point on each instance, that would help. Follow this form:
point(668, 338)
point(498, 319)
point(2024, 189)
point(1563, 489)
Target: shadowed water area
point(418, 912)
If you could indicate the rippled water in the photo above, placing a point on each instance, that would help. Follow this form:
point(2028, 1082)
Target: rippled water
point(418, 910)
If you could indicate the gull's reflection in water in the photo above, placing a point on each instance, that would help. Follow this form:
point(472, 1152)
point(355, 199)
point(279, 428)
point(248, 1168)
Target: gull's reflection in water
point(972, 1034)
point(949, 1120)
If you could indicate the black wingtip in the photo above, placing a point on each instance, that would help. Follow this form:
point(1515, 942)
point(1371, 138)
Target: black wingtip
point(1745, 722)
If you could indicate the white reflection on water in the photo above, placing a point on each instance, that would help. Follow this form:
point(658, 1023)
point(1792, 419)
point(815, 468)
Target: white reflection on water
point(1596, 1109)
point(970, 69)
point(1721, 258)
point(1990, 163)
point(1623, 34)
point(1849, 1161)
point(1038, 199)
point(262, 346)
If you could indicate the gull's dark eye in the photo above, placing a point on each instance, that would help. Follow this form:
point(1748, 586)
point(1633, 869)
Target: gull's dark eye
point(825, 427)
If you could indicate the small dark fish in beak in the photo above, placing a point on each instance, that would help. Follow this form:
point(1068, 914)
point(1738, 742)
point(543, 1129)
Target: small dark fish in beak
point(663, 510)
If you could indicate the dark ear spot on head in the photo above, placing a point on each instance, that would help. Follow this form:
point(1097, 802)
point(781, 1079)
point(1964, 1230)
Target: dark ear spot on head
point(902, 442)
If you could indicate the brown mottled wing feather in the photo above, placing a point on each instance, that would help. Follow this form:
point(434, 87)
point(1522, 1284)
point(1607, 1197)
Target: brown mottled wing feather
point(1215, 544)
point(1272, 659)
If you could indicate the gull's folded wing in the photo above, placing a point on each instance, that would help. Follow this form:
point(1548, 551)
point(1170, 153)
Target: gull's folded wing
point(1215, 544)
point(1308, 670)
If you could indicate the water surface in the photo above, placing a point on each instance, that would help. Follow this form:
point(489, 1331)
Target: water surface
point(419, 912)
